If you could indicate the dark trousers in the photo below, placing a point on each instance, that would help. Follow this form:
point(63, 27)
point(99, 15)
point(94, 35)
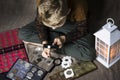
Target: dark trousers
point(81, 49)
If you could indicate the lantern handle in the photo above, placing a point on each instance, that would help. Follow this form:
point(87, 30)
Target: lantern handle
point(110, 20)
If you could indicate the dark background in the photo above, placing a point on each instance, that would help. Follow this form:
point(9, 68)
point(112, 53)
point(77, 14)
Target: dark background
point(100, 10)
point(17, 13)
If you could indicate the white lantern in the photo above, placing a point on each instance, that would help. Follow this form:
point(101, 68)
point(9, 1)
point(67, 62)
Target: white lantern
point(107, 44)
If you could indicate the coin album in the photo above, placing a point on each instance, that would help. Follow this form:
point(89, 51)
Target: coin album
point(23, 70)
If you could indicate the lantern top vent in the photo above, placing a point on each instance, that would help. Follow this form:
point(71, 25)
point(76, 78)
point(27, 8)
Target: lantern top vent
point(108, 33)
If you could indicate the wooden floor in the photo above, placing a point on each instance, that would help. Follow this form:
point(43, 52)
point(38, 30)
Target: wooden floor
point(14, 14)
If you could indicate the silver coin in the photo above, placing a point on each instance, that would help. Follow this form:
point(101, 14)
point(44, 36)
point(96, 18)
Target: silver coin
point(21, 62)
point(25, 79)
point(29, 75)
point(40, 73)
point(34, 69)
point(11, 75)
point(69, 72)
point(27, 65)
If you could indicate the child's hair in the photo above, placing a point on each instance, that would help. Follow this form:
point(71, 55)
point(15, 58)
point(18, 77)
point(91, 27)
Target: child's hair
point(53, 9)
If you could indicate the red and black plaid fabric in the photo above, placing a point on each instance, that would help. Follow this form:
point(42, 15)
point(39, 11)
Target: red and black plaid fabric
point(11, 48)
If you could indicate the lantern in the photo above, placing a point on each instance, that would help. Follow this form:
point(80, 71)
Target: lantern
point(107, 44)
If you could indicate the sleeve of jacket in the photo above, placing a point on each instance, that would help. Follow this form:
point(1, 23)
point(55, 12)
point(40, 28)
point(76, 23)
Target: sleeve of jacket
point(41, 29)
point(79, 31)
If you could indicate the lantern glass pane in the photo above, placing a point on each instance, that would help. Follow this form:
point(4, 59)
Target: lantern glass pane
point(102, 49)
point(115, 51)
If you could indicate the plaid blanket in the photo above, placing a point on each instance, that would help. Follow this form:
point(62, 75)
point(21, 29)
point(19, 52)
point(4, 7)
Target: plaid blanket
point(11, 48)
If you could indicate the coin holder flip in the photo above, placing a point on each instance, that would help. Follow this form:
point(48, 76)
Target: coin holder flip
point(23, 70)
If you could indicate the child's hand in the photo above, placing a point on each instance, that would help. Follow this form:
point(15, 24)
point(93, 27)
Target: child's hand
point(46, 52)
point(59, 41)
